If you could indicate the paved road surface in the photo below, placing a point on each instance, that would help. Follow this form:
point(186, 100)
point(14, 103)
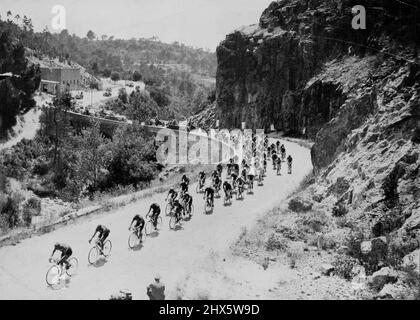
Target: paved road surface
point(171, 253)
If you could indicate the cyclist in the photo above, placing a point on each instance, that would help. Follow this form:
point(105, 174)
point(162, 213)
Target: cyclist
point(209, 196)
point(201, 179)
point(261, 174)
point(216, 182)
point(155, 209)
point(274, 158)
point(227, 188)
point(289, 163)
point(183, 188)
point(172, 194)
point(234, 177)
point(185, 180)
point(177, 209)
point(278, 146)
point(139, 225)
point(103, 233)
point(244, 174)
point(283, 151)
point(278, 165)
point(187, 201)
point(236, 169)
point(240, 184)
point(251, 174)
point(219, 169)
point(265, 165)
point(66, 252)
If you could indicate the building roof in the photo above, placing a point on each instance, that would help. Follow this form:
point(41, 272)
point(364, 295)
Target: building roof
point(49, 81)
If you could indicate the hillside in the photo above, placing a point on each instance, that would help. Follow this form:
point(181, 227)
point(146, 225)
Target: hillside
point(356, 94)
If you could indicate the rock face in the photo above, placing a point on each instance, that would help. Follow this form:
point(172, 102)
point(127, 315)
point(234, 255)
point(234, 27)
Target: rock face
point(264, 70)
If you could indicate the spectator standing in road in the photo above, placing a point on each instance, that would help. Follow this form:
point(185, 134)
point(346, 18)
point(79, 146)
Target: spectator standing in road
point(156, 290)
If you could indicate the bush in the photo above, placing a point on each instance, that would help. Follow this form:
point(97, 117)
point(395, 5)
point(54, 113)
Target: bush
point(31, 208)
point(343, 266)
point(9, 211)
point(339, 210)
point(314, 221)
point(275, 242)
point(41, 167)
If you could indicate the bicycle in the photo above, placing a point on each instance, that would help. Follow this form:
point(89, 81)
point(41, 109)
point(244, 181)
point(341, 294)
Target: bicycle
point(174, 220)
point(135, 238)
point(56, 271)
point(278, 169)
point(239, 194)
point(216, 188)
point(169, 207)
point(150, 227)
point(200, 186)
point(228, 198)
point(208, 205)
point(95, 252)
point(260, 179)
point(289, 168)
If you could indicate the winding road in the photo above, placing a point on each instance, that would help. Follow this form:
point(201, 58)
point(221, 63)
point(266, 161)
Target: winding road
point(173, 254)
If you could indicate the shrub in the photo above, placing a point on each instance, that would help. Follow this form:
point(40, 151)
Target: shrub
point(343, 266)
point(31, 208)
point(339, 209)
point(275, 242)
point(41, 167)
point(315, 221)
point(9, 211)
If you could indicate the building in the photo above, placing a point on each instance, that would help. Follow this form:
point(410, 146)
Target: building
point(51, 87)
point(69, 78)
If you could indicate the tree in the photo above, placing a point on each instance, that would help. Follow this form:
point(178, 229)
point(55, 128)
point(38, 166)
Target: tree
point(90, 35)
point(92, 159)
point(122, 95)
point(137, 76)
point(115, 76)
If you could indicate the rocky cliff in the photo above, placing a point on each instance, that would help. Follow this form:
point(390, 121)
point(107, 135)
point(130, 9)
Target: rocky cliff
point(264, 69)
point(356, 93)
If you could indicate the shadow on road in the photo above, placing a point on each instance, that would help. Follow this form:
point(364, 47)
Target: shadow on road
point(100, 262)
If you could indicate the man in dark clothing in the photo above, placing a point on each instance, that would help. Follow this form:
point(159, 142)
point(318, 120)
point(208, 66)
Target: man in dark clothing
point(156, 290)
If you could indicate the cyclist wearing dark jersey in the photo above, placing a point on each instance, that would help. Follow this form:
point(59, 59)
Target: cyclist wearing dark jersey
point(186, 180)
point(240, 182)
point(278, 146)
point(209, 196)
point(103, 233)
point(202, 177)
point(178, 208)
point(183, 187)
point(289, 163)
point(219, 169)
point(138, 226)
point(66, 252)
point(227, 188)
point(155, 209)
point(187, 201)
point(172, 194)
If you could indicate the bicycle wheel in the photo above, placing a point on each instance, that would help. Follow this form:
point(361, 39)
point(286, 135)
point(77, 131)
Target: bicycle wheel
point(93, 255)
point(192, 210)
point(107, 248)
point(197, 188)
point(172, 223)
point(73, 267)
point(133, 240)
point(149, 227)
point(159, 222)
point(53, 275)
point(168, 209)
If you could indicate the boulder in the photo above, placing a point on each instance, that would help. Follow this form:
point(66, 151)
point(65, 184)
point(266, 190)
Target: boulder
point(327, 269)
point(382, 277)
point(300, 205)
point(377, 246)
point(412, 260)
point(394, 291)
